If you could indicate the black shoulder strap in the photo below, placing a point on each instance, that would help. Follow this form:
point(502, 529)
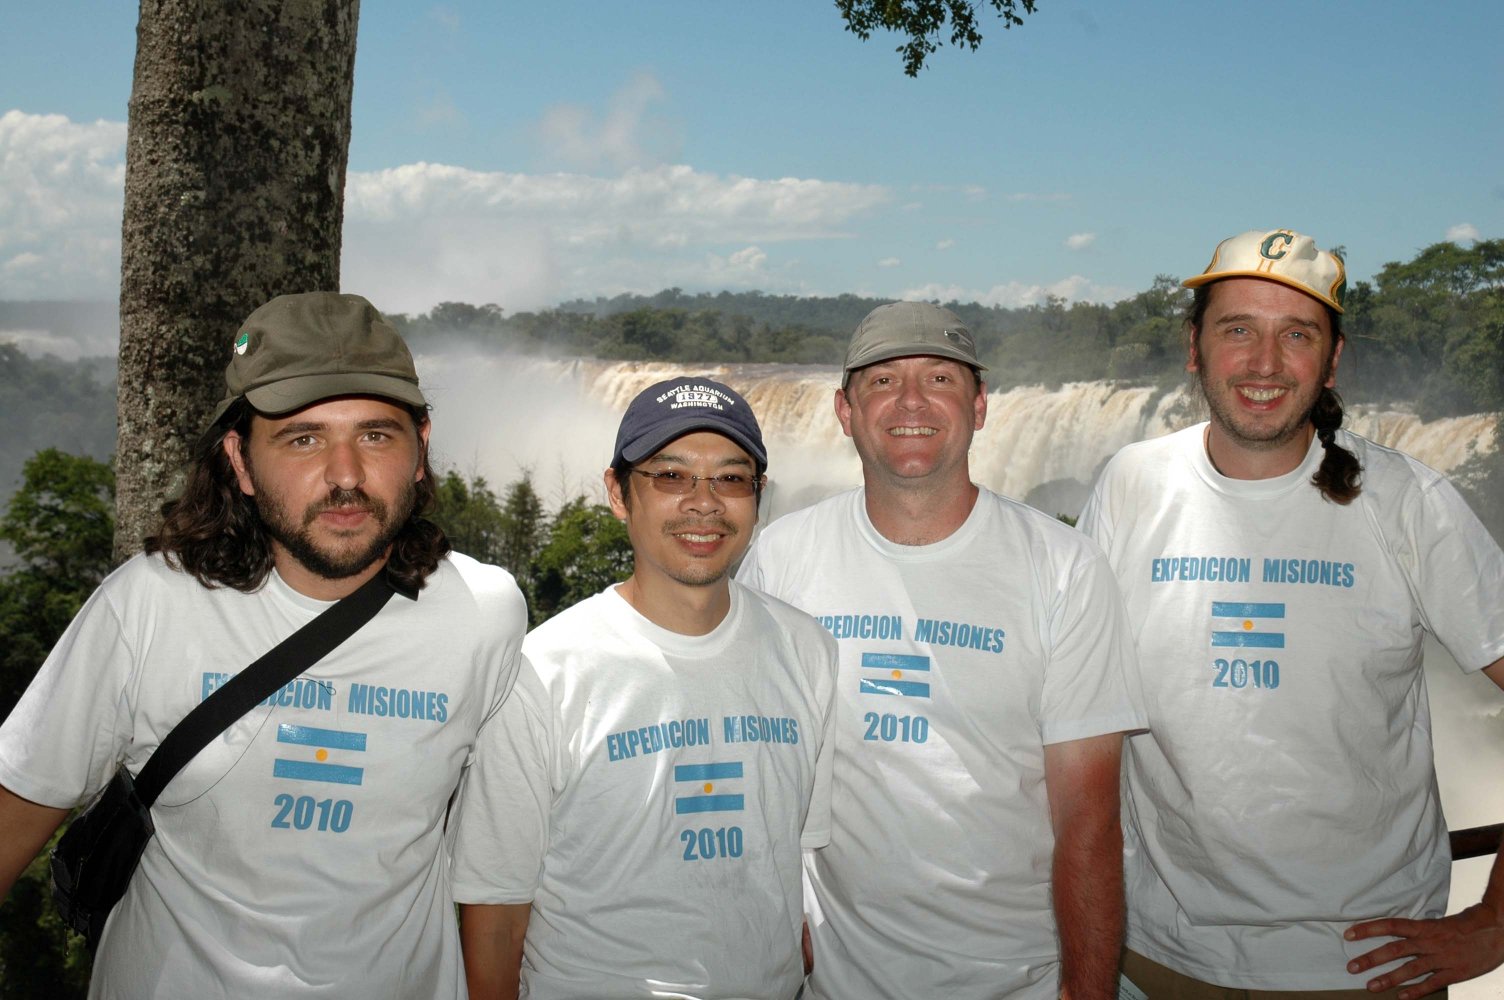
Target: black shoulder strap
point(286, 660)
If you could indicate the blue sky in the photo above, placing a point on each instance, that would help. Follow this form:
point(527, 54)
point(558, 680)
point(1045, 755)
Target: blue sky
point(527, 153)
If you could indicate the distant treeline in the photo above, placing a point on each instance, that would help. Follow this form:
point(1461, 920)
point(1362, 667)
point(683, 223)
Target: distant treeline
point(1429, 332)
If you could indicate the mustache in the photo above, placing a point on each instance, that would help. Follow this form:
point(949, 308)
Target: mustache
point(345, 500)
point(700, 526)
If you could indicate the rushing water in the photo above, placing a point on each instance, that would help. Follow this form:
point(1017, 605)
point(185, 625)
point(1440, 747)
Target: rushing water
point(497, 415)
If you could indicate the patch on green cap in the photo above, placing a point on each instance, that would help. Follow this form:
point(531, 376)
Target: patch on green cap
point(242, 342)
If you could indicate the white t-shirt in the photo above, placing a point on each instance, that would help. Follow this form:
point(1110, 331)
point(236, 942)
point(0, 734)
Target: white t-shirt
point(960, 661)
point(301, 852)
point(646, 791)
point(1286, 789)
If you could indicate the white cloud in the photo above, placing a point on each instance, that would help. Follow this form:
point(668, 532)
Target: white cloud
point(61, 188)
point(625, 135)
point(747, 259)
point(1015, 294)
point(425, 233)
point(420, 234)
point(1462, 232)
point(1080, 241)
point(945, 244)
point(889, 262)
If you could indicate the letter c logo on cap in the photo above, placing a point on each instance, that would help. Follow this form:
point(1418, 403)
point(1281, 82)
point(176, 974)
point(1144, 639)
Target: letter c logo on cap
point(1267, 250)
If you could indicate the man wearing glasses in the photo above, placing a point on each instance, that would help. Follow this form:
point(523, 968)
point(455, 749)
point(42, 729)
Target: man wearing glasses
point(633, 822)
point(986, 678)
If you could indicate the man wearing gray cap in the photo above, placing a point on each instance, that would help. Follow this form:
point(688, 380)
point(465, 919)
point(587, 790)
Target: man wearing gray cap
point(633, 823)
point(1280, 574)
point(301, 851)
point(986, 678)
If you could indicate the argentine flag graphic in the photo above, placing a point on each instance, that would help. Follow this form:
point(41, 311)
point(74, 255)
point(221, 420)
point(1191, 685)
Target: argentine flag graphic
point(309, 750)
point(704, 788)
point(891, 673)
point(1248, 626)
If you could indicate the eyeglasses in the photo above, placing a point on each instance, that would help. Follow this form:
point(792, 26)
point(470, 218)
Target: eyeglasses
point(727, 484)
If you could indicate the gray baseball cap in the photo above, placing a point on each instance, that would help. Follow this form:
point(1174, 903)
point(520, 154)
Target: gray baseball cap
point(299, 349)
point(904, 329)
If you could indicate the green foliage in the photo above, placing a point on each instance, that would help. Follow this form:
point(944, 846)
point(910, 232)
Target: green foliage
point(62, 519)
point(1431, 330)
point(587, 551)
point(557, 561)
point(38, 957)
point(524, 530)
point(60, 522)
point(470, 515)
point(923, 20)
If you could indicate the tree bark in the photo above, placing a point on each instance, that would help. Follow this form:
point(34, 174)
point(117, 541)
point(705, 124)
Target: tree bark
point(238, 138)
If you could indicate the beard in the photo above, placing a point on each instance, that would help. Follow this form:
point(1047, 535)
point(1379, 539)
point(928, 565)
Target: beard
point(343, 558)
point(1246, 431)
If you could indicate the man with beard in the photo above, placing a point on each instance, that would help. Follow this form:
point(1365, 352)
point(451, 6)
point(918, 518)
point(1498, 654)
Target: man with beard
point(986, 679)
point(301, 852)
point(1281, 573)
point(633, 823)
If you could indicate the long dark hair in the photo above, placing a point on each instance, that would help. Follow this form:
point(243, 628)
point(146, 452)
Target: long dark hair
point(1340, 475)
point(213, 531)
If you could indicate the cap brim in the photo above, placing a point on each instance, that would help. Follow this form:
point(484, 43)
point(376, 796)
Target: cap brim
point(649, 445)
point(291, 394)
point(908, 351)
point(1207, 279)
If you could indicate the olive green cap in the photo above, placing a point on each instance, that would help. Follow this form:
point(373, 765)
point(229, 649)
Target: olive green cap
point(299, 349)
point(906, 329)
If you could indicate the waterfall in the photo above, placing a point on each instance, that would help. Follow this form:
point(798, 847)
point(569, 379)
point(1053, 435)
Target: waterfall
point(497, 415)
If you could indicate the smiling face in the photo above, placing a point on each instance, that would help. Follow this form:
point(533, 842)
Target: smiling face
point(334, 484)
point(1263, 353)
point(912, 419)
point(690, 539)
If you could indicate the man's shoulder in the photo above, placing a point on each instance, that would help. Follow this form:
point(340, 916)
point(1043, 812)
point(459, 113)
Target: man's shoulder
point(151, 577)
point(1154, 453)
point(460, 579)
point(785, 616)
point(576, 627)
point(1390, 465)
point(817, 517)
point(1044, 531)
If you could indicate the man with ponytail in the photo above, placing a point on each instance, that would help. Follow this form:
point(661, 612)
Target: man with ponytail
point(1283, 833)
point(301, 852)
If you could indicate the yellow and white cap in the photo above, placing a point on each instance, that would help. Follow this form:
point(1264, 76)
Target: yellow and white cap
point(1281, 255)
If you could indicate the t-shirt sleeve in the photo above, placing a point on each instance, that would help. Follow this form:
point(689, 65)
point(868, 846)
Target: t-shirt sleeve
point(817, 820)
point(1091, 684)
point(751, 571)
point(1093, 521)
point(1457, 570)
point(67, 734)
point(515, 626)
point(503, 811)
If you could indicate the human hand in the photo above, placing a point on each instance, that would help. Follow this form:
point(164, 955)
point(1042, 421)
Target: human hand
point(1446, 950)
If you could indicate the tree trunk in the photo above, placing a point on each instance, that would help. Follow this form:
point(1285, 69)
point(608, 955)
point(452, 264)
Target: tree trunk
point(238, 138)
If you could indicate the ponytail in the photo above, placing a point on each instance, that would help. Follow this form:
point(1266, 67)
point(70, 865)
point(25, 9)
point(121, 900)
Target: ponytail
point(1340, 476)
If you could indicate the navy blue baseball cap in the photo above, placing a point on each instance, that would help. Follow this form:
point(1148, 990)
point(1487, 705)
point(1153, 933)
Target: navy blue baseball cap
point(666, 411)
